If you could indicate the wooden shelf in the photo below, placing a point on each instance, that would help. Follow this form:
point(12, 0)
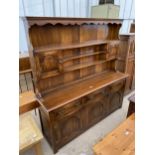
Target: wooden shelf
point(81, 56)
point(57, 98)
point(49, 74)
point(72, 68)
point(70, 46)
point(84, 65)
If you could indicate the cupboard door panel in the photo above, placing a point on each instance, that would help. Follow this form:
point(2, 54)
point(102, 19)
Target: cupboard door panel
point(69, 127)
point(116, 92)
point(98, 108)
point(115, 101)
point(95, 113)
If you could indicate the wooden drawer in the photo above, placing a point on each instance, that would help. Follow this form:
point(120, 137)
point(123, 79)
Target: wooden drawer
point(116, 86)
point(92, 96)
point(67, 110)
point(76, 105)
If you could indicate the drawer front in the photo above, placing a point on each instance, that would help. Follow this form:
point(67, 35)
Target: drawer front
point(90, 97)
point(116, 86)
point(95, 97)
point(72, 107)
point(67, 110)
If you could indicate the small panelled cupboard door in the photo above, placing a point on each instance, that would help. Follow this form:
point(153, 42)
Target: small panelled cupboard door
point(116, 96)
point(97, 108)
point(70, 125)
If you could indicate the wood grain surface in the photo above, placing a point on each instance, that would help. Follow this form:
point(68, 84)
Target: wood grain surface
point(121, 141)
point(27, 102)
point(29, 133)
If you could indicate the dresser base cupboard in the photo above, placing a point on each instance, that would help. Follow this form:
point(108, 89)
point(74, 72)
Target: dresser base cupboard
point(77, 70)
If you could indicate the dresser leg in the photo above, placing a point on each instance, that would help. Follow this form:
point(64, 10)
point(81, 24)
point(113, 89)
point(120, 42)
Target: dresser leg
point(41, 122)
point(38, 149)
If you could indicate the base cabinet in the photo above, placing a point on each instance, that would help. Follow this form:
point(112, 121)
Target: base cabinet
point(69, 121)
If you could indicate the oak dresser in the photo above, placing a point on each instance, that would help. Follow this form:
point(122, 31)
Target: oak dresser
point(77, 65)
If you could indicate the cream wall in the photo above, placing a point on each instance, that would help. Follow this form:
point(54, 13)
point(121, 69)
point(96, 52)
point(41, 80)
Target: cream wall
point(69, 8)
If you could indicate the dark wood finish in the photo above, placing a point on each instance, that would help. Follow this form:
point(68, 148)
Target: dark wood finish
point(131, 108)
point(121, 141)
point(76, 79)
point(127, 60)
point(75, 117)
point(80, 89)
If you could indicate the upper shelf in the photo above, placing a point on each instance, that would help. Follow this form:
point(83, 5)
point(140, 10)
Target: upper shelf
point(75, 91)
point(81, 56)
point(72, 46)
